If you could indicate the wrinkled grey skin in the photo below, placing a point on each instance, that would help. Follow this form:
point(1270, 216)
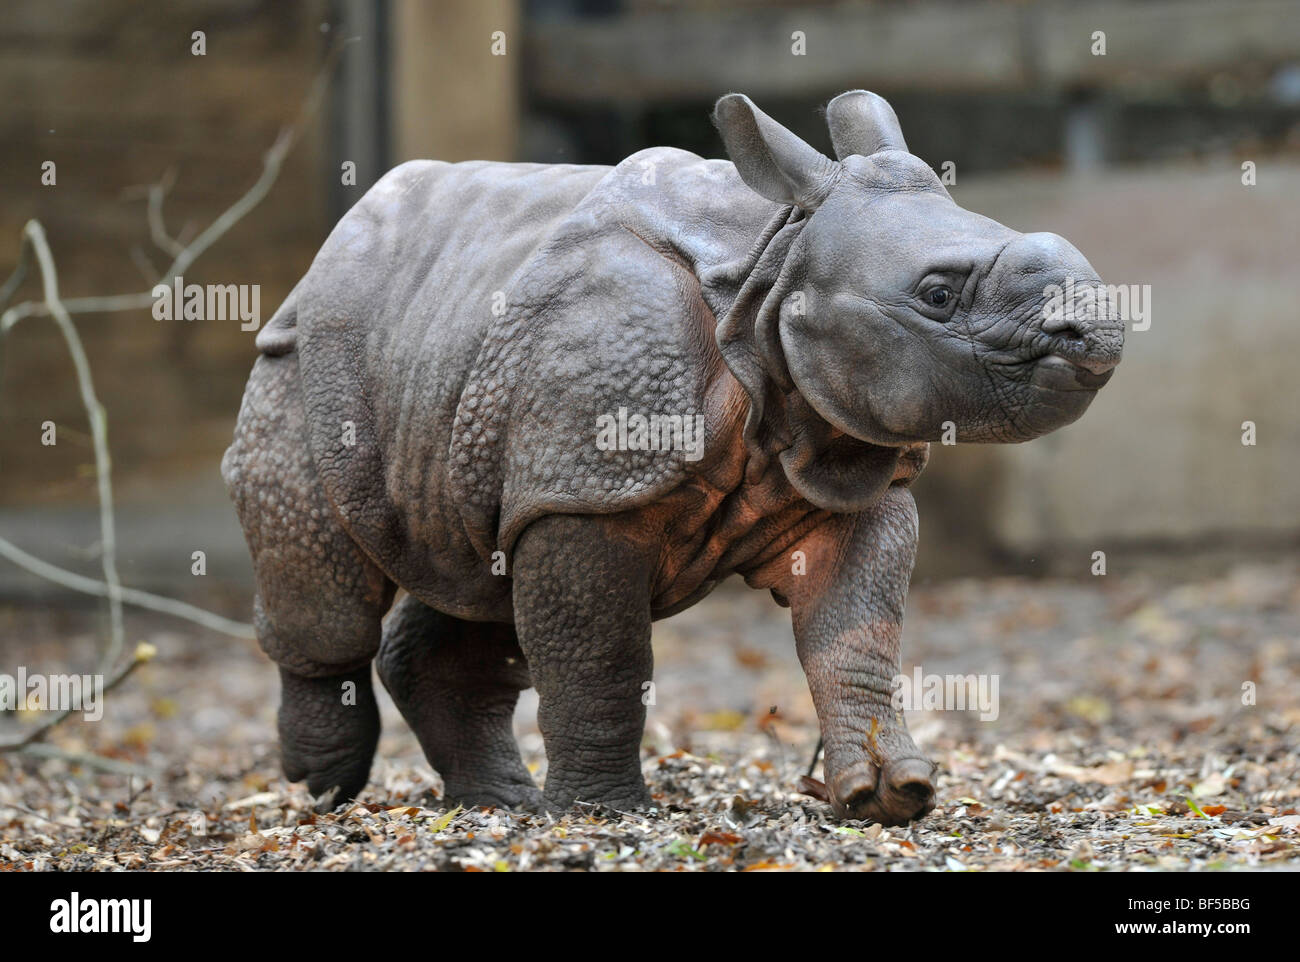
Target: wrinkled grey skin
point(426, 403)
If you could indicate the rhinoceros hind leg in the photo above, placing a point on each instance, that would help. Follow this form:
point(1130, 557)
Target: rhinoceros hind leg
point(456, 684)
point(328, 731)
point(320, 600)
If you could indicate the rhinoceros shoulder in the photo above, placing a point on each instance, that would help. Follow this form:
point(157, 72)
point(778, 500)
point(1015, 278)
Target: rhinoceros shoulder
point(605, 323)
point(468, 328)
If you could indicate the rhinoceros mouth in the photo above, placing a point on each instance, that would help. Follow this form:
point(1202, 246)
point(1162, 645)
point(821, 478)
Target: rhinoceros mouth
point(1062, 374)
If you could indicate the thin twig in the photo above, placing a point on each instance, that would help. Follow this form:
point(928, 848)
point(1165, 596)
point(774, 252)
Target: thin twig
point(812, 767)
point(34, 234)
point(157, 227)
point(34, 243)
point(143, 653)
point(18, 276)
point(130, 596)
point(111, 765)
point(271, 163)
point(35, 814)
point(182, 259)
point(142, 263)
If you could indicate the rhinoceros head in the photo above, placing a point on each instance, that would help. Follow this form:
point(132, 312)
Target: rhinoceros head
point(905, 311)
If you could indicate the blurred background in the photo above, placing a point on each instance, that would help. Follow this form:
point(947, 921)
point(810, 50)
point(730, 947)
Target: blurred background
point(1135, 156)
point(1139, 156)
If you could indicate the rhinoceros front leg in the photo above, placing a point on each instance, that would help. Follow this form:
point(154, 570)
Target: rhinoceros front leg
point(848, 615)
point(582, 612)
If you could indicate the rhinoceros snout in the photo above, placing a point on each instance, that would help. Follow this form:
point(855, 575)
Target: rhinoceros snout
point(1096, 352)
point(1071, 313)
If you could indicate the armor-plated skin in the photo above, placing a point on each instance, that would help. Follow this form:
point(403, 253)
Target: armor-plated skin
point(427, 409)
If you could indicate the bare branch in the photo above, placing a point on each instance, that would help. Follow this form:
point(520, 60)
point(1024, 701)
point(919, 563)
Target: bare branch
point(143, 654)
point(34, 242)
point(14, 806)
point(34, 234)
point(130, 596)
point(17, 277)
point(157, 228)
point(111, 765)
point(271, 163)
point(142, 263)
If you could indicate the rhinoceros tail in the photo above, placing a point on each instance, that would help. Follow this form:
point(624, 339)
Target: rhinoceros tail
point(280, 335)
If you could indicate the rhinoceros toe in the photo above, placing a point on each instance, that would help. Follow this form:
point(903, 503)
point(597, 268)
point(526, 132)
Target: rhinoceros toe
point(895, 794)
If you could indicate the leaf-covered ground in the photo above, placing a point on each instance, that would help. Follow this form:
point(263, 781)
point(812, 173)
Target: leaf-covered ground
point(1122, 742)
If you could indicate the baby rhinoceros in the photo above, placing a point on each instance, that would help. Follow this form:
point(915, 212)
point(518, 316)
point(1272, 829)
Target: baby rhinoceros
point(554, 403)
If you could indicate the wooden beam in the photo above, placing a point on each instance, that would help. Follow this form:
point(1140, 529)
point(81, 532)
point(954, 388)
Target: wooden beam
point(684, 53)
point(454, 98)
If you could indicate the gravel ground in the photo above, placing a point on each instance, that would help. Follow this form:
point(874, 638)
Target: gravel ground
point(1121, 743)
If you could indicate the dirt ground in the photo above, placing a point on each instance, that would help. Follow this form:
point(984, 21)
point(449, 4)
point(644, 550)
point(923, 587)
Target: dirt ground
point(1124, 741)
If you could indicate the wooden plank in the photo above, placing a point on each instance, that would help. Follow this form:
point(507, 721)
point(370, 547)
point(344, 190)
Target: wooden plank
point(452, 98)
point(95, 96)
point(683, 53)
point(1165, 40)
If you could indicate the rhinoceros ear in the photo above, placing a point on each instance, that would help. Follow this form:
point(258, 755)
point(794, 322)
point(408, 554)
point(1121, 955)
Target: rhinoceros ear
point(862, 123)
point(770, 159)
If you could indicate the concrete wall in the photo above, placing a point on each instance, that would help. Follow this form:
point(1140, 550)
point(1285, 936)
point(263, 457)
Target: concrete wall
point(1158, 457)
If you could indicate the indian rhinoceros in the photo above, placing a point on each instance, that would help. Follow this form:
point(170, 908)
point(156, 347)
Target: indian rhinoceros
point(553, 403)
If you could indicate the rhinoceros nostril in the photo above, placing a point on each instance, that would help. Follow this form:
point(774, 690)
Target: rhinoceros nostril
point(1098, 363)
point(1083, 349)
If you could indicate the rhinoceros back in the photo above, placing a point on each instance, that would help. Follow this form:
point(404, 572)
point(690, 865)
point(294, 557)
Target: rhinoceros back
point(387, 324)
point(462, 330)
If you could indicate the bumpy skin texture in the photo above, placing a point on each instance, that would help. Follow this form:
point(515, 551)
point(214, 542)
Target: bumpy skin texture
point(425, 416)
point(456, 683)
point(582, 604)
point(847, 630)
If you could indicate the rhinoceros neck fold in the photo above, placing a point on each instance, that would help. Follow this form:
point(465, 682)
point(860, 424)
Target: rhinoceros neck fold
point(750, 273)
point(832, 470)
point(747, 333)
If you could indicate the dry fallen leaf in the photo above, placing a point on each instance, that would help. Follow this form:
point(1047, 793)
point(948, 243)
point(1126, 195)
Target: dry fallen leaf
point(719, 838)
point(252, 801)
point(814, 788)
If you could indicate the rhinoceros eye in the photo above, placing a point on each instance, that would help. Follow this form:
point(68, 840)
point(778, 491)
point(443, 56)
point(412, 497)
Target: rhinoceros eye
point(939, 296)
point(935, 295)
